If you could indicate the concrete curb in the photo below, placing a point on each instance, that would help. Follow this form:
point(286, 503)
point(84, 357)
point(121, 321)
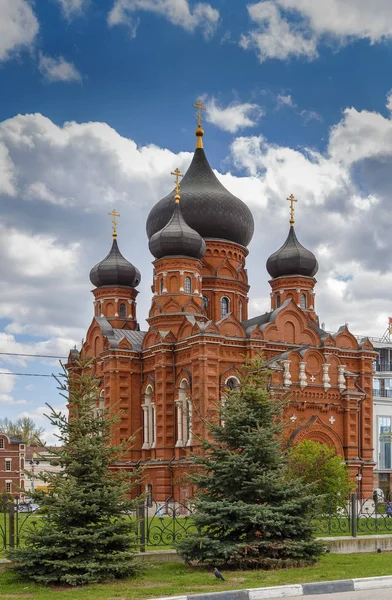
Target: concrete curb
point(287, 591)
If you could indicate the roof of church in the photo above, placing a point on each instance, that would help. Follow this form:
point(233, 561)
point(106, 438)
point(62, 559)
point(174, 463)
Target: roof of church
point(114, 269)
point(292, 259)
point(207, 206)
point(116, 335)
point(177, 238)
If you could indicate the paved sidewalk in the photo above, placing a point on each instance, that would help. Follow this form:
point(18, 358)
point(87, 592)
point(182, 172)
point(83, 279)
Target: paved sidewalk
point(287, 591)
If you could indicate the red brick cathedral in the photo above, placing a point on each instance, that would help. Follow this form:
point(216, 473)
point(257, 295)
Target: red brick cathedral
point(169, 378)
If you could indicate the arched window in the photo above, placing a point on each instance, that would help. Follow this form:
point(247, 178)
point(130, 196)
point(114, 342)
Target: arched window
point(232, 383)
point(188, 285)
point(240, 310)
point(277, 301)
point(303, 301)
point(161, 286)
point(206, 303)
point(184, 416)
point(123, 311)
point(224, 306)
point(149, 420)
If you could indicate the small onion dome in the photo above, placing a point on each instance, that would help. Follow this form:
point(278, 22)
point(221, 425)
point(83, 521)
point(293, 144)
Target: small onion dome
point(114, 269)
point(292, 259)
point(177, 238)
point(208, 207)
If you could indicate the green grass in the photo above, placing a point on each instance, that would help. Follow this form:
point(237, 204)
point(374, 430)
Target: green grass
point(168, 579)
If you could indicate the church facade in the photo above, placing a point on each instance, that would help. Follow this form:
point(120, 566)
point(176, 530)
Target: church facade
point(171, 378)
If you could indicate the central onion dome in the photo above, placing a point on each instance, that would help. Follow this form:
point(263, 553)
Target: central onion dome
point(177, 238)
point(292, 259)
point(207, 206)
point(115, 270)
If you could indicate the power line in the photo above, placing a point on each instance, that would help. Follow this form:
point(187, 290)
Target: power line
point(24, 374)
point(34, 355)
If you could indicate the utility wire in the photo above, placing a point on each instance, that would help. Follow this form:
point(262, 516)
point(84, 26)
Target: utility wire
point(24, 374)
point(34, 355)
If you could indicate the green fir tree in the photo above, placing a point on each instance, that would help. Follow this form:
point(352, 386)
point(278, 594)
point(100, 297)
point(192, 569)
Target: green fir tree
point(247, 512)
point(85, 534)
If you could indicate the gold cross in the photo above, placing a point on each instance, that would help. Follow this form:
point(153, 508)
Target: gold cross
point(177, 174)
point(114, 214)
point(291, 199)
point(199, 106)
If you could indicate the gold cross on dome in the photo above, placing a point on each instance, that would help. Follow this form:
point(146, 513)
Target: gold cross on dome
point(114, 214)
point(199, 106)
point(177, 175)
point(291, 199)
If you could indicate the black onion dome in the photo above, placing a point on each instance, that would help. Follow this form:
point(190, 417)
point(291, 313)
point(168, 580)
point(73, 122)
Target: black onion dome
point(114, 269)
point(177, 238)
point(207, 206)
point(292, 259)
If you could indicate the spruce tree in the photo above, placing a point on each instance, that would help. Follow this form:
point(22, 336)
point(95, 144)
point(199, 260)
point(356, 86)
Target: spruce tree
point(85, 533)
point(248, 513)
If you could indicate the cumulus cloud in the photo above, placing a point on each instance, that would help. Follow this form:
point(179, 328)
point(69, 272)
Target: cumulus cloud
point(72, 8)
point(294, 28)
point(18, 27)
point(276, 37)
point(285, 100)
point(233, 117)
point(179, 12)
point(58, 69)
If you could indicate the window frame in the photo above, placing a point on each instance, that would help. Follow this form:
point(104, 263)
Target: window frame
point(188, 285)
point(224, 301)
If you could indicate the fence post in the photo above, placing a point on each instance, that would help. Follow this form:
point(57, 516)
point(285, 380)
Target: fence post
point(354, 515)
point(11, 532)
point(142, 514)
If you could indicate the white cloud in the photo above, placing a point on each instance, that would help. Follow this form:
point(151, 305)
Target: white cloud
point(18, 27)
point(389, 100)
point(285, 100)
point(276, 37)
point(73, 8)
point(58, 69)
point(178, 12)
point(233, 117)
point(294, 28)
point(7, 384)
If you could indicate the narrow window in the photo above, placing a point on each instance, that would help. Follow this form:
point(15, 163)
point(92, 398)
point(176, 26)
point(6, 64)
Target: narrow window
point(303, 301)
point(188, 285)
point(8, 465)
point(1, 444)
point(102, 400)
point(8, 487)
point(240, 310)
point(206, 305)
point(22, 465)
point(277, 301)
point(161, 286)
point(224, 306)
point(123, 311)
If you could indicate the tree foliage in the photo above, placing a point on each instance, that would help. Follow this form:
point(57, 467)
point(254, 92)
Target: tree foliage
point(248, 513)
point(318, 464)
point(86, 534)
point(23, 428)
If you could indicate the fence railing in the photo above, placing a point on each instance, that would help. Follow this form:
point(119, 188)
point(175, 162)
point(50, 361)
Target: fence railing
point(161, 525)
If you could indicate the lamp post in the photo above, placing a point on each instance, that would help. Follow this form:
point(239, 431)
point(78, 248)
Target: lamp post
point(34, 462)
point(358, 477)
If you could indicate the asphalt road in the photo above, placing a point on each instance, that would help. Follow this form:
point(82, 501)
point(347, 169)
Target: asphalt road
point(381, 594)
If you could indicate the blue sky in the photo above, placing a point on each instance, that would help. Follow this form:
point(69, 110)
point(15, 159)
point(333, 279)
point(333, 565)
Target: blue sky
point(97, 110)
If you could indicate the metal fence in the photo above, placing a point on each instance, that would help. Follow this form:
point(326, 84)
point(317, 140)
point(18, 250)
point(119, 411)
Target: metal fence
point(160, 525)
point(357, 516)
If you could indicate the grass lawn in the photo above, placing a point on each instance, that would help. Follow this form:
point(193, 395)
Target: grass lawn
point(168, 579)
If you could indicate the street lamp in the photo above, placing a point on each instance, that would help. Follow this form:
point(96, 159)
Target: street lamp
point(34, 462)
point(358, 477)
